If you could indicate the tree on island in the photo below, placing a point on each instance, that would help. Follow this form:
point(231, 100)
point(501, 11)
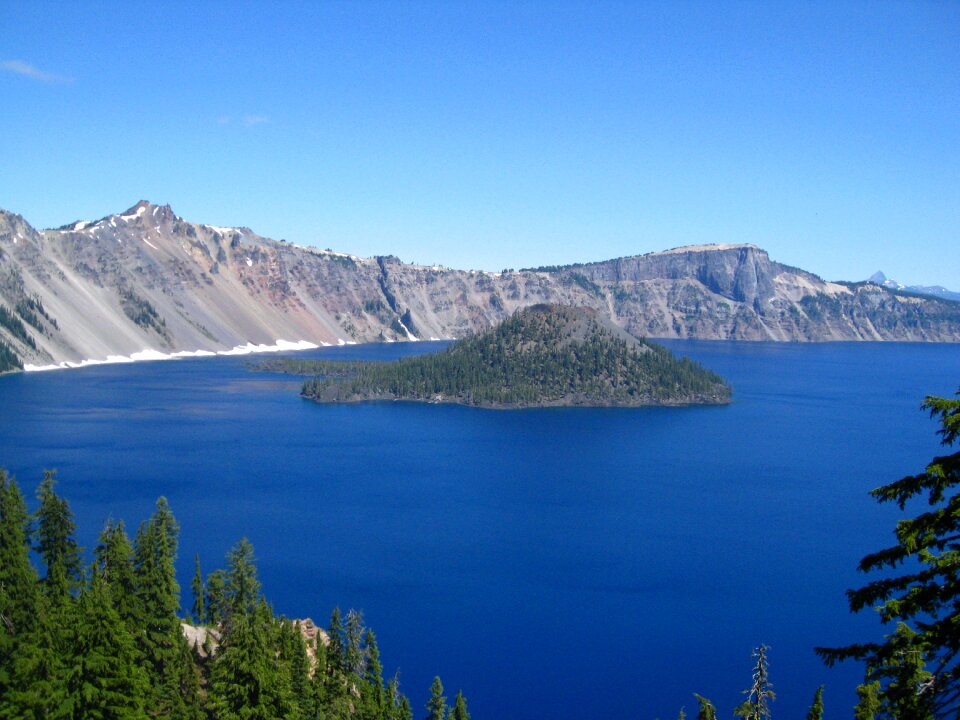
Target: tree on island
point(914, 673)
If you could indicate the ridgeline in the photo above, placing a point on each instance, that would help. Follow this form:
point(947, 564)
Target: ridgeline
point(542, 356)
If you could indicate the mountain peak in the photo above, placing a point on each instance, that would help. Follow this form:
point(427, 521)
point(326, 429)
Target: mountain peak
point(878, 277)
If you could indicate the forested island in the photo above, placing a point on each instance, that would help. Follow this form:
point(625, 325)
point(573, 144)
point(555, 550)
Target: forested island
point(541, 356)
point(106, 641)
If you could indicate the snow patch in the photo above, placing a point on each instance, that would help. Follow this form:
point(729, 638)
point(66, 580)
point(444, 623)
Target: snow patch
point(140, 211)
point(149, 354)
point(249, 262)
point(150, 244)
point(280, 345)
point(410, 336)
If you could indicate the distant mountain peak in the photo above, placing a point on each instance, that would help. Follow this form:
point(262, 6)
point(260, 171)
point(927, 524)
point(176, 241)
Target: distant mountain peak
point(937, 291)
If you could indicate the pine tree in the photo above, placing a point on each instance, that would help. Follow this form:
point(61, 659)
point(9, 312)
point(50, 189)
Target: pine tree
point(102, 676)
point(376, 705)
point(245, 679)
point(706, 711)
point(437, 704)
point(18, 579)
point(198, 612)
point(216, 597)
point(355, 652)
point(868, 701)
point(160, 636)
point(54, 540)
point(299, 664)
point(760, 693)
point(917, 666)
point(459, 711)
point(36, 688)
point(816, 708)
point(336, 656)
point(114, 565)
point(242, 588)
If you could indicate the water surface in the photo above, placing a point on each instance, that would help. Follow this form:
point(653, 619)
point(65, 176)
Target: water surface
point(562, 563)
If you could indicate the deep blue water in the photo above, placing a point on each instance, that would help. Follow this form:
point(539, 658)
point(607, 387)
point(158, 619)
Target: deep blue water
point(561, 563)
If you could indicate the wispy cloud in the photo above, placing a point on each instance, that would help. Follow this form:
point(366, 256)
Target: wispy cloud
point(21, 67)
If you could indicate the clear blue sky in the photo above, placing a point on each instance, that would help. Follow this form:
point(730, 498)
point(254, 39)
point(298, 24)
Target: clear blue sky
point(488, 135)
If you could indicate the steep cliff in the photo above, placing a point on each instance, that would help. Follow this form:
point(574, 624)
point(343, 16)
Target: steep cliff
point(147, 280)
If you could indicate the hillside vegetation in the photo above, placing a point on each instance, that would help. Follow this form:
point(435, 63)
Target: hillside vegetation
point(106, 641)
point(541, 356)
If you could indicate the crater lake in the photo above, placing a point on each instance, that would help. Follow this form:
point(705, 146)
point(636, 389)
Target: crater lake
point(561, 563)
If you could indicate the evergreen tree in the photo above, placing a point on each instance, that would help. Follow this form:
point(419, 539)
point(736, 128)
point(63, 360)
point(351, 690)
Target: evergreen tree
point(216, 597)
point(437, 704)
point(459, 711)
point(356, 660)
point(336, 655)
point(868, 701)
point(36, 688)
point(198, 612)
point(760, 693)
point(299, 665)
point(160, 636)
point(245, 679)
point(54, 540)
point(706, 711)
point(114, 565)
point(242, 588)
point(816, 708)
point(18, 579)
point(376, 705)
point(102, 677)
point(916, 667)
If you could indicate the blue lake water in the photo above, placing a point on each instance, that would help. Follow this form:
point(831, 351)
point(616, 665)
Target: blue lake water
point(562, 563)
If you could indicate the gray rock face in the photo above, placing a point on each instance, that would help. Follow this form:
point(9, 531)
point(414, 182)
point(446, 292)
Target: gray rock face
point(147, 279)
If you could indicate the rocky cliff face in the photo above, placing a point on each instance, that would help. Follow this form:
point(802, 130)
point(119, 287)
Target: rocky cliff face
point(147, 279)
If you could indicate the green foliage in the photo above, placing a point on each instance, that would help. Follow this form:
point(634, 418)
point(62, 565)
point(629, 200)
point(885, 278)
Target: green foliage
point(706, 710)
point(216, 597)
point(140, 311)
point(102, 676)
point(199, 611)
point(54, 540)
point(160, 639)
point(9, 360)
point(31, 310)
point(816, 708)
point(914, 672)
point(110, 645)
point(437, 704)
point(868, 701)
point(540, 356)
point(16, 328)
point(459, 711)
point(114, 565)
point(18, 580)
